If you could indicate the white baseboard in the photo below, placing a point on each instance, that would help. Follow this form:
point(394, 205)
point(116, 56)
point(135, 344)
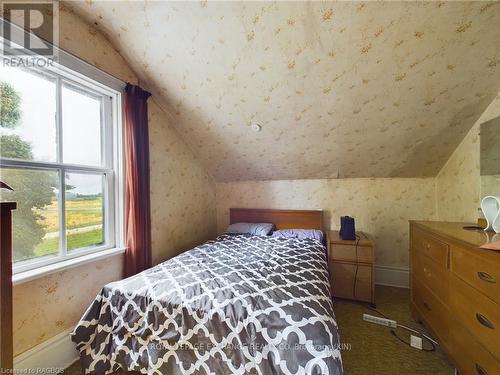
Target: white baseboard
point(392, 276)
point(58, 352)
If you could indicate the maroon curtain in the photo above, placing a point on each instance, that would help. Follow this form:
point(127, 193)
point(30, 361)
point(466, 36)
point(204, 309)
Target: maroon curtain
point(137, 202)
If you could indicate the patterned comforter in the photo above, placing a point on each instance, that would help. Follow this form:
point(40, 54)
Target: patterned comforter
point(238, 305)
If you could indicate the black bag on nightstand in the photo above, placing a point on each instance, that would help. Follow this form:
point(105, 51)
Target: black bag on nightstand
point(347, 230)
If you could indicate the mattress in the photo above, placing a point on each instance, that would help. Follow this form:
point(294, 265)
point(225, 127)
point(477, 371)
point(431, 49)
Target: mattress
point(240, 304)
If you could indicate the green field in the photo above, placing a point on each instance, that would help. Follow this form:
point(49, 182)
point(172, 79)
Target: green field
point(75, 241)
point(80, 214)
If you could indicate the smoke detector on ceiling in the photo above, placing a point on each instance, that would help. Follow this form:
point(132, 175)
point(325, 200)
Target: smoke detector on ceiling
point(256, 127)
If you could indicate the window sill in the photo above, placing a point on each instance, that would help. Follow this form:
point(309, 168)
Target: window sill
point(22, 277)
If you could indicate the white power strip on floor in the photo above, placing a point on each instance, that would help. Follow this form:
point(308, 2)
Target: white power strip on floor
point(382, 321)
point(415, 341)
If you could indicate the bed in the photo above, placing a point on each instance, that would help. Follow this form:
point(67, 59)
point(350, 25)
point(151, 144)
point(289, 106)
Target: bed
point(239, 304)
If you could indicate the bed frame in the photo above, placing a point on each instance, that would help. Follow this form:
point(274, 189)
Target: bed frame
point(282, 219)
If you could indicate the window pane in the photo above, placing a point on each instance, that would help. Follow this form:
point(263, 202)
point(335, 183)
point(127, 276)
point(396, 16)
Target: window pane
point(27, 115)
point(36, 219)
point(84, 210)
point(81, 118)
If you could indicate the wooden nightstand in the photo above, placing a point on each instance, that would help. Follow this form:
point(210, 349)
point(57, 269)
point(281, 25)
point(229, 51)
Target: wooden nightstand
point(351, 265)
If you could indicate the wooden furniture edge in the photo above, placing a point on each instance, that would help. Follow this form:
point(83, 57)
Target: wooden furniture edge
point(373, 269)
point(410, 266)
point(6, 327)
point(365, 239)
point(447, 237)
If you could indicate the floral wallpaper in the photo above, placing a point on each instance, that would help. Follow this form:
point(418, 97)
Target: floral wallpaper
point(490, 185)
point(381, 206)
point(458, 184)
point(401, 81)
point(490, 147)
point(182, 200)
point(49, 305)
point(182, 193)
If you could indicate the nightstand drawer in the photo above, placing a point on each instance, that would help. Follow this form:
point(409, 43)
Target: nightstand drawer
point(347, 253)
point(345, 282)
point(430, 246)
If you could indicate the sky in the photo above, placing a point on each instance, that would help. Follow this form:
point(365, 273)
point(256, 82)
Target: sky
point(80, 124)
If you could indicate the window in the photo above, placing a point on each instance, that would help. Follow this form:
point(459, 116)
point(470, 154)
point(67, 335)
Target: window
point(60, 150)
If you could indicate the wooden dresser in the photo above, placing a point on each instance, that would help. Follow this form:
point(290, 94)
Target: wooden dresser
point(455, 292)
point(6, 351)
point(351, 265)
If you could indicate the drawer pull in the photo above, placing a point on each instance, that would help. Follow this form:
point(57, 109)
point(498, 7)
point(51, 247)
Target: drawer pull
point(426, 305)
point(428, 246)
point(480, 370)
point(484, 321)
point(485, 277)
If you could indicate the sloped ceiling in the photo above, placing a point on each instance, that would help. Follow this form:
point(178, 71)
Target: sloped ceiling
point(345, 89)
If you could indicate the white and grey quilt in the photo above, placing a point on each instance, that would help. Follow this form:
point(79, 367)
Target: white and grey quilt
point(238, 305)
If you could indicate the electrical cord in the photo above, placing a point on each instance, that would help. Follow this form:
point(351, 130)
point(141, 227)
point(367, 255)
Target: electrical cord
point(431, 341)
point(358, 238)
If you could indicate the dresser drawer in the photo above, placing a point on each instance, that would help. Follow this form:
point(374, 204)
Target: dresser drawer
point(430, 246)
point(347, 253)
point(431, 275)
point(483, 273)
point(433, 312)
point(479, 314)
point(470, 356)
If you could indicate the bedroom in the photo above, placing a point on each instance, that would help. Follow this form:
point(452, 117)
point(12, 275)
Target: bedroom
point(374, 110)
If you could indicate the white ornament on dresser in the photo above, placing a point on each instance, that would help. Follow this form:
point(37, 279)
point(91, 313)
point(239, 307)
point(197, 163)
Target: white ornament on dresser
point(490, 206)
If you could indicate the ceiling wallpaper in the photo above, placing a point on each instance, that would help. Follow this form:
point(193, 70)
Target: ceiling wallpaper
point(341, 89)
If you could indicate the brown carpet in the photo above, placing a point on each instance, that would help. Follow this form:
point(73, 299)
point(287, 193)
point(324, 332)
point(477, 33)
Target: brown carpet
point(373, 350)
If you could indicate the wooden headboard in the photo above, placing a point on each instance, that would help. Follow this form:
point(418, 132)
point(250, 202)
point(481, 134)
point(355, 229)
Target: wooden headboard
point(282, 219)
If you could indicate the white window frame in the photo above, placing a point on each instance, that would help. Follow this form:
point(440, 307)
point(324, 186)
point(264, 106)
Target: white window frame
point(78, 73)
